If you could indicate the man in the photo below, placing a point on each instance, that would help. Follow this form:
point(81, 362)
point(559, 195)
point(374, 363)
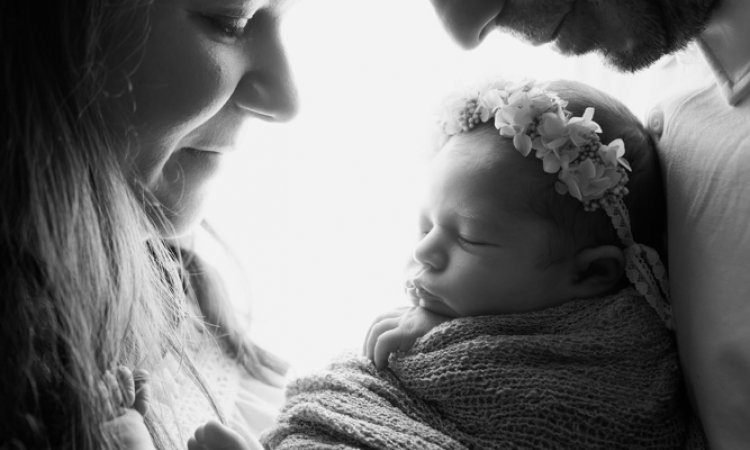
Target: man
point(704, 140)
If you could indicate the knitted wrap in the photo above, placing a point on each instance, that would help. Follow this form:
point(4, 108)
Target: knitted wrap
point(589, 374)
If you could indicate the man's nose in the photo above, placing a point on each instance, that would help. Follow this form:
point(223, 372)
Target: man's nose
point(468, 21)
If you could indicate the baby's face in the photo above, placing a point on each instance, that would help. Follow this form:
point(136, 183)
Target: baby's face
point(478, 252)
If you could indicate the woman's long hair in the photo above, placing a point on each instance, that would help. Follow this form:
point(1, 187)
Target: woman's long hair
point(86, 283)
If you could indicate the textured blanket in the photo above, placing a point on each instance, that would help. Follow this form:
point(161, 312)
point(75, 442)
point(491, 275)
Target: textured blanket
point(599, 373)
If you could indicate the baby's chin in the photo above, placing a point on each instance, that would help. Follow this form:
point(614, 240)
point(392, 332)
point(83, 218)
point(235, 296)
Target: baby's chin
point(438, 307)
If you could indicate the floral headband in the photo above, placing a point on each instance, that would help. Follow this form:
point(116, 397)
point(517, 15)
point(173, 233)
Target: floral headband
point(587, 169)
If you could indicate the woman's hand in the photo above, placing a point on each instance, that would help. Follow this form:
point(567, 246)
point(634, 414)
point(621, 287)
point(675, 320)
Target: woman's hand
point(129, 392)
point(397, 331)
point(215, 436)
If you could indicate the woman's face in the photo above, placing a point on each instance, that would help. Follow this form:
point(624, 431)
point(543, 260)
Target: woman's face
point(205, 68)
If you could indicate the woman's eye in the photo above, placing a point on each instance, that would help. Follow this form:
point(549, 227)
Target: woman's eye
point(232, 27)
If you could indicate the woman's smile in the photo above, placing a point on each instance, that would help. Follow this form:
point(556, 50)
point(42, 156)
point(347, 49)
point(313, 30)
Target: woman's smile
point(201, 74)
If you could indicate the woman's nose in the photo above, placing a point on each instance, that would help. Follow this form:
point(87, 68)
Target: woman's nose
point(430, 251)
point(267, 89)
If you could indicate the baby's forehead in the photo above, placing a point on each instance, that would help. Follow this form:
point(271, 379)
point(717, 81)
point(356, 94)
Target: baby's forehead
point(485, 154)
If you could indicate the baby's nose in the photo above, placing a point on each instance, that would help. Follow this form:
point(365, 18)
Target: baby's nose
point(430, 252)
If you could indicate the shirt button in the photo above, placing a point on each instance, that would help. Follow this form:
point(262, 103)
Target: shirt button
point(655, 123)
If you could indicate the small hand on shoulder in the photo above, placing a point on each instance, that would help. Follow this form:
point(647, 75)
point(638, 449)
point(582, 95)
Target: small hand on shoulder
point(130, 393)
point(215, 436)
point(397, 331)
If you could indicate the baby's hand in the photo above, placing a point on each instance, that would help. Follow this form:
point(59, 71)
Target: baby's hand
point(215, 436)
point(397, 331)
point(129, 431)
point(129, 392)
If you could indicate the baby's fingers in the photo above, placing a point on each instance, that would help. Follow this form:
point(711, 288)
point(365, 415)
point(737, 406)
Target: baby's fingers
point(395, 314)
point(215, 436)
point(391, 341)
point(398, 312)
point(376, 330)
point(142, 391)
point(127, 385)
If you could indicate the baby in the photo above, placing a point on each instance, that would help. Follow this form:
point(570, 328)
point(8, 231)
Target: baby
point(540, 317)
point(501, 234)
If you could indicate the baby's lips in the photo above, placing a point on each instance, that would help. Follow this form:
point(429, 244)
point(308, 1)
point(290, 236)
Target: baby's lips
point(411, 292)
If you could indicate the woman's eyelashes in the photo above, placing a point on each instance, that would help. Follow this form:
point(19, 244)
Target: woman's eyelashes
point(228, 27)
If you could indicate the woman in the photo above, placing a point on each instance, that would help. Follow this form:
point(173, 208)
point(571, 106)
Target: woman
point(116, 115)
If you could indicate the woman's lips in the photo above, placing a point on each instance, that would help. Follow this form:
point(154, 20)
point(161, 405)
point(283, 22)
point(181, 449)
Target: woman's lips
point(211, 149)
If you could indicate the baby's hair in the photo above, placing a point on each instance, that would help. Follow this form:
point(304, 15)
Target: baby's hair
point(646, 198)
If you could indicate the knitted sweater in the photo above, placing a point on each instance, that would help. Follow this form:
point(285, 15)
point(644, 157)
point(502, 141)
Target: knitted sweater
point(595, 373)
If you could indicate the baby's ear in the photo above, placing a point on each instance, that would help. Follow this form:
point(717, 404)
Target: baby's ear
point(598, 270)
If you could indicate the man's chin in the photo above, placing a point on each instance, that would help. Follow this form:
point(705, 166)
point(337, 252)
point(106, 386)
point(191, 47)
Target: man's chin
point(623, 60)
point(633, 61)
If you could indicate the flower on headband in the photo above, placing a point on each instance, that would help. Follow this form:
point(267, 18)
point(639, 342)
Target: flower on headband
point(552, 128)
point(582, 129)
point(586, 180)
point(613, 153)
point(489, 101)
point(519, 113)
point(553, 143)
point(455, 110)
point(555, 158)
point(537, 121)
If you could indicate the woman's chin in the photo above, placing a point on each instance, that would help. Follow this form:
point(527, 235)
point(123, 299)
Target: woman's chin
point(179, 217)
point(179, 225)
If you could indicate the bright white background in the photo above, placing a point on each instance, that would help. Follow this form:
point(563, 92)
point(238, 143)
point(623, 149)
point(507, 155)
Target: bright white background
point(319, 212)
